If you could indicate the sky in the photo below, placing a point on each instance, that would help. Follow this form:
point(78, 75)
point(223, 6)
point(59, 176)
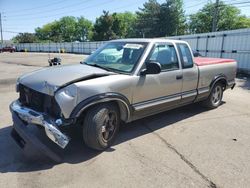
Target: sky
point(26, 15)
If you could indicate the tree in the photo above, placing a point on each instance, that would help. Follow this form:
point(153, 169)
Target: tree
point(172, 19)
point(49, 32)
point(148, 19)
point(83, 30)
point(25, 38)
point(67, 29)
point(126, 23)
point(229, 18)
point(159, 20)
point(104, 27)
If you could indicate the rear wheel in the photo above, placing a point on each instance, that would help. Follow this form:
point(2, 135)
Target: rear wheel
point(101, 125)
point(215, 97)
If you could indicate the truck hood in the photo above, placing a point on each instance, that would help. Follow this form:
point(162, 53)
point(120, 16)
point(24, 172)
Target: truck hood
point(48, 80)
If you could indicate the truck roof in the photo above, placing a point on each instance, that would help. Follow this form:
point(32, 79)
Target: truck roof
point(148, 40)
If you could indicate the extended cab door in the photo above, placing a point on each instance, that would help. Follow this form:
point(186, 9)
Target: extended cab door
point(189, 72)
point(156, 92)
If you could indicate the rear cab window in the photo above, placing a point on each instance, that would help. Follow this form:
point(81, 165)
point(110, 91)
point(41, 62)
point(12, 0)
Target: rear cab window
point(185, 55)
point(165, 54)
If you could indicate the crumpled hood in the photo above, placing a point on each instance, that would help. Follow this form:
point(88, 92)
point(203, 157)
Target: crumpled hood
point(48, 80)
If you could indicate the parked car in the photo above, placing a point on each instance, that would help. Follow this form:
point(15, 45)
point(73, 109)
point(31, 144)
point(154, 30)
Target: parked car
point(10, 49)
point(133, 79)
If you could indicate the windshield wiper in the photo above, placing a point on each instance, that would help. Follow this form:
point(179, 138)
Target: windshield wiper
point(99, 66)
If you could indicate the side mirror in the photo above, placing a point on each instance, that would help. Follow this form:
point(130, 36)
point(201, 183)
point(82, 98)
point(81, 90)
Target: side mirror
point(151, 68)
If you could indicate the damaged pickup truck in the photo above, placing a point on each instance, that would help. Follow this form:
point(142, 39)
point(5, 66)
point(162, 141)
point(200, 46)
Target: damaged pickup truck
point(122, 81)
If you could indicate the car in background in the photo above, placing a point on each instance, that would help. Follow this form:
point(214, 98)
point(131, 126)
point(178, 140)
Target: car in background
point(197, 53)
point(10, 49)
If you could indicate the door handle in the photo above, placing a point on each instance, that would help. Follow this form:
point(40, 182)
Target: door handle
point(179, 77)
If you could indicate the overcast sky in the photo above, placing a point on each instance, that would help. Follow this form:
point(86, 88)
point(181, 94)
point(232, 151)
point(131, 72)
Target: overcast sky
point(26, 15)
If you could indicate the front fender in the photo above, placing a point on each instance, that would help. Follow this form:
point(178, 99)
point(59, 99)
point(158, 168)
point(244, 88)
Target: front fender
point(122, 101)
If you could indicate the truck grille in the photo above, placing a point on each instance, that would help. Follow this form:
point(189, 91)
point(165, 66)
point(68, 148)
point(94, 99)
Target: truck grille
point(38, 101)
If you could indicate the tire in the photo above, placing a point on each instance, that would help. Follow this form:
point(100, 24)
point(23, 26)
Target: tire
point(215, 97)
point(101, 125)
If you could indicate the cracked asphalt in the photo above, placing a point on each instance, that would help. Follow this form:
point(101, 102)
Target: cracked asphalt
point(185, 147)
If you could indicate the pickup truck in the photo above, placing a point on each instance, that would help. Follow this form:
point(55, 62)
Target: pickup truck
point(122, 81)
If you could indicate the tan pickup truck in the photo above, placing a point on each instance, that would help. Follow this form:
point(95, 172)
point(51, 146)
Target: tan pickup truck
point(122, 81)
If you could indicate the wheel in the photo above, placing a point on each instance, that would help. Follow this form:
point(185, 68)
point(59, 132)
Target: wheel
point(215, 97)
point(101, 125)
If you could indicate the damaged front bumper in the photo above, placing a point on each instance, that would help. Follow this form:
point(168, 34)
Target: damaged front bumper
point(33, 117)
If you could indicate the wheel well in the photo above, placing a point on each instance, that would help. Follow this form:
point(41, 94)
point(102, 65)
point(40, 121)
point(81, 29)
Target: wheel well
point(221, 80)
point(124, 112)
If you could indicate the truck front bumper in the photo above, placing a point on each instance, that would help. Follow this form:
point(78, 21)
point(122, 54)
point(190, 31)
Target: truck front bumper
point(22, 116)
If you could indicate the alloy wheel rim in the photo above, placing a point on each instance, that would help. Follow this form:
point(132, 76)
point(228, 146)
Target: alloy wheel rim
point(109, 125)
point(216, 96)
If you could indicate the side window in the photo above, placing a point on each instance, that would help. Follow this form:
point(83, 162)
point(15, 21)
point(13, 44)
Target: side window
point(165, 54)
point(186, 56)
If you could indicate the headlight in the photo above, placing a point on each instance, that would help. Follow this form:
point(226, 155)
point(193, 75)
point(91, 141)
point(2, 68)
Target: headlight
point(66, 98)
point(70, 90)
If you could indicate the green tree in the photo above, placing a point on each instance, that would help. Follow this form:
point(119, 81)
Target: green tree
point(229, 18)
point(105, 27)
point(126, 23)
point(67, 29)
point(25, 38)
point(148, 19)
point(172, 19)
point(83, 30)
point(159, 20)
point(113, 26)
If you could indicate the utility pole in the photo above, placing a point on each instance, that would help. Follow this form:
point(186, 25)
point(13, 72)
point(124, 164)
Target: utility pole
point(1, 28)
point(215, 16)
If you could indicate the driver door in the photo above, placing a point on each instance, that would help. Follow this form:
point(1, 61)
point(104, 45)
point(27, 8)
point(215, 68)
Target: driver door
point(153, 93)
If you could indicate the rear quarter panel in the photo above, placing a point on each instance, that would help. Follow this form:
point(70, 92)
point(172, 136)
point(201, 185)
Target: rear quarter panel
point(209, 72)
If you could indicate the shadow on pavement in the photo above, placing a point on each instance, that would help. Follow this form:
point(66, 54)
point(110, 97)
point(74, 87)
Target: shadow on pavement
point(13, 160)
point(244, 81)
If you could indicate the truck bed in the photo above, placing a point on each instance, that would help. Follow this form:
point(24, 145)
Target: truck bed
point(209, 68)
point(201, 61)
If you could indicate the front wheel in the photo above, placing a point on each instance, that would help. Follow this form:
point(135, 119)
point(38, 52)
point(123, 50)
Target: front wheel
point(101, 125)
point(215, 97)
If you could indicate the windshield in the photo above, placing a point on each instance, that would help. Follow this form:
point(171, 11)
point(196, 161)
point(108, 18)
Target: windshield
point(117, 56)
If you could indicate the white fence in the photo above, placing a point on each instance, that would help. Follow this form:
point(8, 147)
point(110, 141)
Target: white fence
point(68, 47)
point(233, 44)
